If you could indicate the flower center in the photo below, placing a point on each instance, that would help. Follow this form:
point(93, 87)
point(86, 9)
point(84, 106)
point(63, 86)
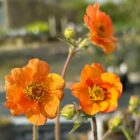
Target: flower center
point(96, 93)
point(101, 31)
point(35, 91)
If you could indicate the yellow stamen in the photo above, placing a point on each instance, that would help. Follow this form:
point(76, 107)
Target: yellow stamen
point(35, 91)
point(96, 93)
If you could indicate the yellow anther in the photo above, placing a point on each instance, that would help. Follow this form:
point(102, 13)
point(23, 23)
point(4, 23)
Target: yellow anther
point(96, 93)
point(35, 91)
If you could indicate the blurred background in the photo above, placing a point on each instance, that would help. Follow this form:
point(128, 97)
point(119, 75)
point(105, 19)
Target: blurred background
point(30, 28)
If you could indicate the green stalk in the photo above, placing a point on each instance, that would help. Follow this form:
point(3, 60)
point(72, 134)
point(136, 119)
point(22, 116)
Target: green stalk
point(126, 133)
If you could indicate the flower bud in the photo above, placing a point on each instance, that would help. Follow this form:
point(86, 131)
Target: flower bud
point(115, 122)
point(84, 43)
point(133, 103)
point(69, 33)
point(68, 111)
point(134, 100)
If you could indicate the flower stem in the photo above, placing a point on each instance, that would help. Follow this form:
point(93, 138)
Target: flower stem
point(57, 126)
point(71, 53)
point(35, 132)
point(126, 133)
point(94, 128)
point(137, 127)
point(107, 134)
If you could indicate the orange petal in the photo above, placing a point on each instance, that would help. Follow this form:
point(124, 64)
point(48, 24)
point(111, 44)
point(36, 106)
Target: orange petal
point(84, 96)
point(98, 69)
point(16, 112)
point(16, 96)
point(19, 76)
point(55, 82)
point(78, 88)
point(112, 94)
point(40, 68)
point(14, 93)
point(112, 100)
point(113, 104)
point(107, 44)
point(88, 22)
point(81, 92)
point(58, 93)
point(108, 47)
point(51, 107)
point(88, 106)
point(113, 80)
point(103, 105)
point(91, 16)
point(91, 74)
point(106, 21)
point(14, 108)
point(36, 119)
point(90, 109)
point(87, 73)
point(92, 11)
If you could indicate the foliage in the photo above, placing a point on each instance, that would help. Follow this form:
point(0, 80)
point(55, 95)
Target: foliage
point(37, 28)
point(78, 5)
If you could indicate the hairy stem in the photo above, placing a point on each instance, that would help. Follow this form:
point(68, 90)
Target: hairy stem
point(57, 126)
point(35, 132)
point(94, 128)
point(67, 62)
point(127, 134)
point(137, 128)
point(107, 134)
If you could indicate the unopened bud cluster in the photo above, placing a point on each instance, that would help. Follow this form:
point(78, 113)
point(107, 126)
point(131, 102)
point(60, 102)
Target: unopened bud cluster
point(68, 111)
point(69, 33)
point(134, 103)
point(84, 43)
point(114, 123)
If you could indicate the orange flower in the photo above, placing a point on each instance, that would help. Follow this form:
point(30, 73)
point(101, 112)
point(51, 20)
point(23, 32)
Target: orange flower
point(97, 91)
point(33, 91)
point(101, 29)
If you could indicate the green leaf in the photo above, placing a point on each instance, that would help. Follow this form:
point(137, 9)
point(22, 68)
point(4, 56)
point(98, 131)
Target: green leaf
point(80, 118)
point(75, 126)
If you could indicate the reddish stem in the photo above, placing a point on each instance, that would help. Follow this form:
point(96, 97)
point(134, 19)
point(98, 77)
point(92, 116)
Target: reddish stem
point(94, 128)
point(57, 126)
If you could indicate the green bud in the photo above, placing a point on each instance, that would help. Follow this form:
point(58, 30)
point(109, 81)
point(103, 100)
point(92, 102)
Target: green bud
point(134, 100)
point(114, 123)
point(133, 103)
point(69, 33)
point(68, 111)
point(84, 43)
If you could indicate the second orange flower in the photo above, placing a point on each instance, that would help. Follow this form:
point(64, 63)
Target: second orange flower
point(97, 91)
point(101, 29)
